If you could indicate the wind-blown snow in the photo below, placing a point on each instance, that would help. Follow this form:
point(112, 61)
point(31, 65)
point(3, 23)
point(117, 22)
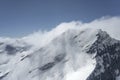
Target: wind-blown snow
point(42, 38)
point(109, 24)
point(59, 54)
point(62, 57)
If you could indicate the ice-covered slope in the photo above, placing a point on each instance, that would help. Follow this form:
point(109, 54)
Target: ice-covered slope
point(67, 55)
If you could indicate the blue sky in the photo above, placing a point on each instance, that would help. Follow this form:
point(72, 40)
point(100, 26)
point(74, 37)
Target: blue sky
point(22, 17)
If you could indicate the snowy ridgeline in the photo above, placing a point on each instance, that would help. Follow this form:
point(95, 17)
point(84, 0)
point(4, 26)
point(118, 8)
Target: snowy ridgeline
point(71, 54)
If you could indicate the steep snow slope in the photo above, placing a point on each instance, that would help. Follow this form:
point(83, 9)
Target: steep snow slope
point(64, 56)
point(67, 55)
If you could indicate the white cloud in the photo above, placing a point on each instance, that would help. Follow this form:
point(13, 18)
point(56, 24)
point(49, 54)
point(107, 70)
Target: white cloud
point(109, 24)
point(44, 37)
point(41, 38)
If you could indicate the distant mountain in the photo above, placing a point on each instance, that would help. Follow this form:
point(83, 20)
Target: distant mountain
point(74, 54)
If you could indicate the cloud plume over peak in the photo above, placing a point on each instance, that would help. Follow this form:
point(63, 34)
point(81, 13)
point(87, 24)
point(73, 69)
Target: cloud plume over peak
point(109, 24)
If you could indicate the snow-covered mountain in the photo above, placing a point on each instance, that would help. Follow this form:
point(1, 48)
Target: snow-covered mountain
point(72, 54)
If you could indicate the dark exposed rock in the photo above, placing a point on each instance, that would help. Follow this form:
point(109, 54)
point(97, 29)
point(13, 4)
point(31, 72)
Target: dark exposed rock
point(1, 43)
point(1, 77)
point(24, 57)
point(107, 58)
point(10, 49)
point(59, 57)
point(47, 66)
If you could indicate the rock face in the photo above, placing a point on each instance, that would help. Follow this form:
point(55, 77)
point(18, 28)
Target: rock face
point(107, 57)
point(85, 54)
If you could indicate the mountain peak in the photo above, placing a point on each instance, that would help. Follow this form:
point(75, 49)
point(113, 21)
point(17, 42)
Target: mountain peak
point(74, 54)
